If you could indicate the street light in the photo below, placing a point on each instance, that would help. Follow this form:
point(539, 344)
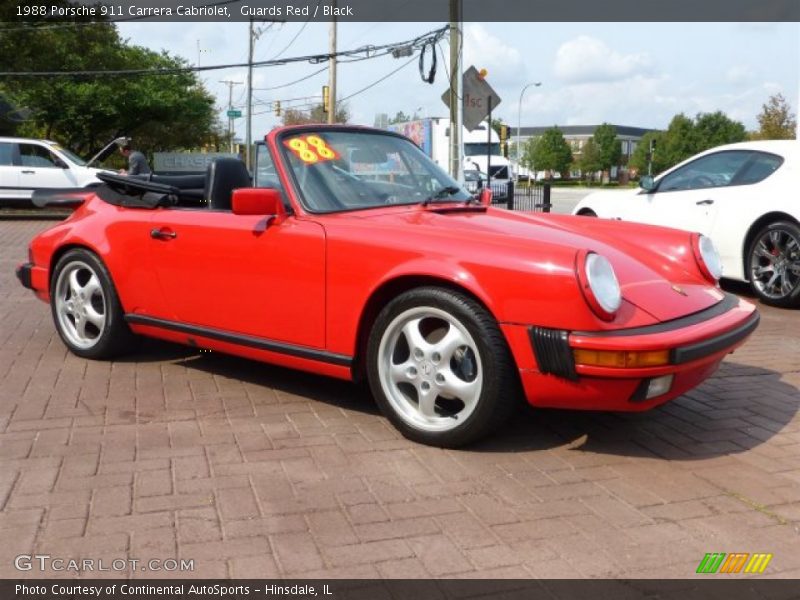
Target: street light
point(519, 123)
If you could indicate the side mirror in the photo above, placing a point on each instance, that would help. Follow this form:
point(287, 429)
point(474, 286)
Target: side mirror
point(258, 201)
point(485, 197)
point(647, 183)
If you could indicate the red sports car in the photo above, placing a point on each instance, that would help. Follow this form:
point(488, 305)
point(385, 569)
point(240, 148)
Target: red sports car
point(359, 258)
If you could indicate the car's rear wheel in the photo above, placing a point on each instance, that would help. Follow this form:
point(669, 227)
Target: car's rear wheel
point(86, 308)
point(773, 262)
point(440, 369)
point(587, 212)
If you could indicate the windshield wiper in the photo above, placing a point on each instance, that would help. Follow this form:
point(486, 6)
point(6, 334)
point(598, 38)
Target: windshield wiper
point(442, 193)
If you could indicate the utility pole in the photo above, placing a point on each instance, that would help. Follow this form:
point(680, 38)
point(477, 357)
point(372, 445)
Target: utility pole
point(332, 70)
point(249, 128)
point(456, 92)
point(230, 85)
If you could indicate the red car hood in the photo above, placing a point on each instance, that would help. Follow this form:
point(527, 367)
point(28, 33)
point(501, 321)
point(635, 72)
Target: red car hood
point(655, 266)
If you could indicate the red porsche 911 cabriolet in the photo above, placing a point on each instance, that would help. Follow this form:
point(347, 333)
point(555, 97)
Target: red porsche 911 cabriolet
point(359, 258)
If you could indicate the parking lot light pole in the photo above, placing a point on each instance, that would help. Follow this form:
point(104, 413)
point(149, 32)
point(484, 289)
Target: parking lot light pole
point(519, 123)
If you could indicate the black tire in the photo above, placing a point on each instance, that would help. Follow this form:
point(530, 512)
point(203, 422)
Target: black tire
point(587, 212)
point(779, 243)
point(483, 363)
point(113, 337)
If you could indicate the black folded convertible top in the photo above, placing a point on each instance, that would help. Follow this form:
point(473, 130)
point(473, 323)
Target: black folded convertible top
point(122, 190)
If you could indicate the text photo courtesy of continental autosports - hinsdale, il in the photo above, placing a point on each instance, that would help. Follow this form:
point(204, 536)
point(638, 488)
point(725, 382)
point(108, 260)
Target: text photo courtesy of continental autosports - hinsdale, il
point(443, 299)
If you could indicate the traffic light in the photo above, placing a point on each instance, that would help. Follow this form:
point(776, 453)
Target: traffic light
point(504, 139)
point(277, 108)
point(326, 98)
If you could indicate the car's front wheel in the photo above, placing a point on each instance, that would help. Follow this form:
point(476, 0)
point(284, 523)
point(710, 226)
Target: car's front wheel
point(773, 262)
point(440, 369)
point(85, 306)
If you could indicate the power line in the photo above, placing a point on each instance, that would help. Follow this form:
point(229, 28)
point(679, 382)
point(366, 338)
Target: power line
point(376, 82)
point(283, 85)
point(356, 93)
point(282, 100)
point(292, 41)
point(430, 37)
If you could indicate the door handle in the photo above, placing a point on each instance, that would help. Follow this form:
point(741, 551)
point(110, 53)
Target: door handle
point(29, 172)
point(162, 234)
point(701, 202)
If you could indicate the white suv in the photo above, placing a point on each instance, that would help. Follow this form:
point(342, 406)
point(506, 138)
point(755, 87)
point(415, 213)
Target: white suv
point(27, 165)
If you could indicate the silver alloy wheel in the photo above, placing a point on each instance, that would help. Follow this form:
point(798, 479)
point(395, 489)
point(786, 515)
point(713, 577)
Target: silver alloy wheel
point(775, 264)
point(80, 305)
point(430, 369)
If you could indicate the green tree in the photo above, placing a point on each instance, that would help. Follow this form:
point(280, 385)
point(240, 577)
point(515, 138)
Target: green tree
point(590, 160)
point(549, 152)
point(715, 129)
point(686, 137)
point(679, 142)
point(609, 148)
point(776, 120)
point(84, 112)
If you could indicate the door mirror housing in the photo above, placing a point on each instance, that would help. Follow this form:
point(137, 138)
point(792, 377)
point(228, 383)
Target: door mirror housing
point(647, 183)
point(485, 197)
point(258, 201)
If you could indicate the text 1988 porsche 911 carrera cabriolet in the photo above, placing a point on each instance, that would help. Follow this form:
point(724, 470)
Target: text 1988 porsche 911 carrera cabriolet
point(363, 260)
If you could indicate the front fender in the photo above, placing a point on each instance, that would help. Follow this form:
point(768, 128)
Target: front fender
point(520, 288)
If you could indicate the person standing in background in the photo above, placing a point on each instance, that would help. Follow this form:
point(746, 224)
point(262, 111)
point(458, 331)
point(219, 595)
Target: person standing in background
point(137, 163)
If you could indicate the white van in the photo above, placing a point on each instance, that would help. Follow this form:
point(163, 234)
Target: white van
point(27, 165)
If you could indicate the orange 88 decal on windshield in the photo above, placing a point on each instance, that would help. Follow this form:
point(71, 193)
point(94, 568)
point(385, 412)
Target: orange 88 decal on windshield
point(311, 149)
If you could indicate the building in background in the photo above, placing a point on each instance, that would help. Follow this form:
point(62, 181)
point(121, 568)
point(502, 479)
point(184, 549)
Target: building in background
point(577, 135)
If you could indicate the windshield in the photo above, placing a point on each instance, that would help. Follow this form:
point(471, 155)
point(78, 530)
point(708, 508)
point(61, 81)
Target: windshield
point(74, 158)
point(347, 170)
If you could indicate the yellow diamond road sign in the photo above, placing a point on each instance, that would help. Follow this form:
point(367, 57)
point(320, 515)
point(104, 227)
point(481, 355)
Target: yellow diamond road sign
point(476, 98)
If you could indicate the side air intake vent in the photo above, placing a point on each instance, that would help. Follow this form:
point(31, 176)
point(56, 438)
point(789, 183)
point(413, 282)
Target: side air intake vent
point(552, 351)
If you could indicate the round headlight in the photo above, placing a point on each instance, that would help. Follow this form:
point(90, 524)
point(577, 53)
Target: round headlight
point(709, 260)
point(603, 284)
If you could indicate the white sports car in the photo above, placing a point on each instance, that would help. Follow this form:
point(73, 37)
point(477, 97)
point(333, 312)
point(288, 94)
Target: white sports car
point(743, 196)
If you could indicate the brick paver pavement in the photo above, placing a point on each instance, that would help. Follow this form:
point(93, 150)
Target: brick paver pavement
point(257, 471)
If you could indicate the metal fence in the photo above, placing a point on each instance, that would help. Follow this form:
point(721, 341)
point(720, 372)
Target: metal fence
point(531, 197)
point(534, 197)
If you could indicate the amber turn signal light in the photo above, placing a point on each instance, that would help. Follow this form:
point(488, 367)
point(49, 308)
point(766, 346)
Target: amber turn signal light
point(621, 359)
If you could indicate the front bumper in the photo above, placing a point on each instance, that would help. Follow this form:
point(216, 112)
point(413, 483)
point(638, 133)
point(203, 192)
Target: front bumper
point(696, 344)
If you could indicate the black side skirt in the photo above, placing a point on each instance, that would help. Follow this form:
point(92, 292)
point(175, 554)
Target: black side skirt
point(244, 340)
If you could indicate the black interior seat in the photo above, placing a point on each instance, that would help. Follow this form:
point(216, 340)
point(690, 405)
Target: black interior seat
point(222, 177)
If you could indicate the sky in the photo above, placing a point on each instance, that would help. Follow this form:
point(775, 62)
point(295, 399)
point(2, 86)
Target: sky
point(634, 74)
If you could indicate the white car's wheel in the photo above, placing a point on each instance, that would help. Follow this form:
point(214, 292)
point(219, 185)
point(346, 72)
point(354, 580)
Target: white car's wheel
point(773, 264)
